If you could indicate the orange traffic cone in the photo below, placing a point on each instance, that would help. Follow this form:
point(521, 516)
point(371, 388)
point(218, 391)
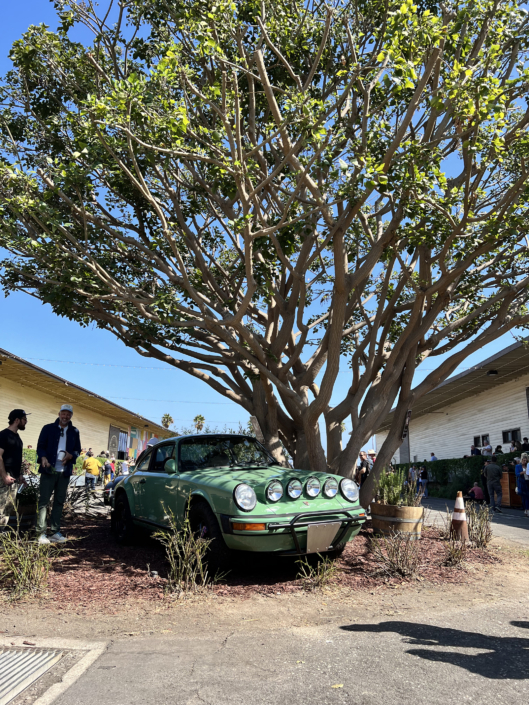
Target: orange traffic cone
point(459, 519)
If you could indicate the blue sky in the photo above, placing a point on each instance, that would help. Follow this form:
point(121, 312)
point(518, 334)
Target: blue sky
point(94, 358)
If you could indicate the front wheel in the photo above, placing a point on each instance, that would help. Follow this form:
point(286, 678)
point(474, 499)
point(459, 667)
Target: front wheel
point(122, 520)
point(204, 523)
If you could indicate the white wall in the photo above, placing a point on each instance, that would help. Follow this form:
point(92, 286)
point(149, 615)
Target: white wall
point(44, 408)
point(450, 434)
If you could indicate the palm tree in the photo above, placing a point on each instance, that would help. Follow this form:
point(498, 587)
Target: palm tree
point(198, 422)
point(167, 420)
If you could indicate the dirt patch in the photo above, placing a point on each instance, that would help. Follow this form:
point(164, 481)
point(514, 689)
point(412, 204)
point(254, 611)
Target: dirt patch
point(94, 570)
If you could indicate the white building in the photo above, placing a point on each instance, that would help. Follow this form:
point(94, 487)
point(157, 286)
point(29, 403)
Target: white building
point(488, 402)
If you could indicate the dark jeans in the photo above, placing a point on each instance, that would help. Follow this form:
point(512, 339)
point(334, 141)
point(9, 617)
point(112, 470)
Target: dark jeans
point(51, 484)
point(90, 482)
point(495, 486)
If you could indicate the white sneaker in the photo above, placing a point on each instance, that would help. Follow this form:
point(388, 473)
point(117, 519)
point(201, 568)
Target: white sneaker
point(58, 538)
point(43, 539)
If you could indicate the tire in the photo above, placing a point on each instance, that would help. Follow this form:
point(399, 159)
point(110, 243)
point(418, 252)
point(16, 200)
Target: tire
point(122, 520)
point(337, 552)
point(204, 523)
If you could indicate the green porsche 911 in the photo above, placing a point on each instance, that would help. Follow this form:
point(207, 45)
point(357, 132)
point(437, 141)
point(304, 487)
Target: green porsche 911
point(239, 497)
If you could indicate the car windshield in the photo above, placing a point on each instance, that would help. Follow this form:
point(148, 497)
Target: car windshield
point(219, 451)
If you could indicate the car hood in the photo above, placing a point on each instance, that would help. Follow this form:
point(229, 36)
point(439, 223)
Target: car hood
point(221, 482)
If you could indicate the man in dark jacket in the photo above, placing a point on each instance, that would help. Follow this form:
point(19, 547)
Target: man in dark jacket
point(58, 448)
point(494, 473)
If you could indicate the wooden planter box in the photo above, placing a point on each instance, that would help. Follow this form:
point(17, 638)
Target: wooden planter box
point(508, 486)
point(388, 519)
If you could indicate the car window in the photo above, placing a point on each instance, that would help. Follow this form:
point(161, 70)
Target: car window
point(162, 453)
point(215, 452)
point(144, 465)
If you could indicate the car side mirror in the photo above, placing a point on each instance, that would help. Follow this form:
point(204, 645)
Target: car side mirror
point(170, 466)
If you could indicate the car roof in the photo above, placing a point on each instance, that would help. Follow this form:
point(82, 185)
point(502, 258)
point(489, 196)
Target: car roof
point(205, 435)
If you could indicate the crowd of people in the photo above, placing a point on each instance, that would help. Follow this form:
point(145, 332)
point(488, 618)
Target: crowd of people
point(58, 448)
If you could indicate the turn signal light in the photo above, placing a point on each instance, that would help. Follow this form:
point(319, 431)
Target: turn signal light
point(248, 527)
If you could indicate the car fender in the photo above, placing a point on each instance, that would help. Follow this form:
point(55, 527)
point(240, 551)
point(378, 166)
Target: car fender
point(126, 489)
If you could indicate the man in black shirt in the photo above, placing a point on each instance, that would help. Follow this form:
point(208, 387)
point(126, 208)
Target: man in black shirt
point(525, 445)
point(10, 462)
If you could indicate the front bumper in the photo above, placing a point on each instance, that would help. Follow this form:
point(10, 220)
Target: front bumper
point(289, 537)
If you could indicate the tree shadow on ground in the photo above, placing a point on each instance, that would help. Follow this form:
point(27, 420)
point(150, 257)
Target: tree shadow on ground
point(504, 657)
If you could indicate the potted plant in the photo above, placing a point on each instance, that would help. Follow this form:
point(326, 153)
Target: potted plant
point(396, 506)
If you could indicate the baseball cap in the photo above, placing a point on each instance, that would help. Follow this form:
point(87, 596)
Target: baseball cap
point(67, 407)
point(17, 414)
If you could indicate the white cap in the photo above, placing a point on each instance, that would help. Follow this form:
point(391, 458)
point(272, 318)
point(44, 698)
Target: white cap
point(67, 407)
point(371, 452)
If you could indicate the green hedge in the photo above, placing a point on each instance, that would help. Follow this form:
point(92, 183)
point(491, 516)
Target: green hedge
point(30, 456)
point(449, 476)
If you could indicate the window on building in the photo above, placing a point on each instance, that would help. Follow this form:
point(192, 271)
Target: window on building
point(511, 435)
point(482, 440)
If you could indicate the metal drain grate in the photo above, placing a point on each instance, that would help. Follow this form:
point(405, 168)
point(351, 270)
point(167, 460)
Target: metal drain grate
point(19, 668)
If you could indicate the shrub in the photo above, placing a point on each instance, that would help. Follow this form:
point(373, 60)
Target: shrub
point(186, 556)
point(393, 489)
point(316, 578)
point(24, 563)
point(455, 552)
point(395, 555)
point(479, 520)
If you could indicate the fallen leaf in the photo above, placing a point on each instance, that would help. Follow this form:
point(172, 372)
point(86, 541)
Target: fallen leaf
point(340, 685)
point(300, 661)
point(29, 643)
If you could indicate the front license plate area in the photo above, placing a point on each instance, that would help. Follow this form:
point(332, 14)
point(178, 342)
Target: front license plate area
point(321, 536)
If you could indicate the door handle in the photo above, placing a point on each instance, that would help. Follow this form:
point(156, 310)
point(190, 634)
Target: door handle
point(142, 480)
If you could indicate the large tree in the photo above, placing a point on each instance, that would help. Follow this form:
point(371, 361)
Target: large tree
point(260, 193)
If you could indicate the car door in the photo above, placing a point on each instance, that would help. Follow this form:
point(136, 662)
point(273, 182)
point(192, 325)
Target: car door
point(138, 481)
point(161, 487)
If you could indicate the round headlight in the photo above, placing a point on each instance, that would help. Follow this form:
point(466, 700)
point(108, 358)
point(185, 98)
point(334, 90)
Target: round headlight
point(330, 488)
point(245, 497)
point(349, 490)
point(313, 487)
point(294, 489)
point(274, 491)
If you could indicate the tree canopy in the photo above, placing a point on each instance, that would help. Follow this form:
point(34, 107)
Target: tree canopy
point(262, 193)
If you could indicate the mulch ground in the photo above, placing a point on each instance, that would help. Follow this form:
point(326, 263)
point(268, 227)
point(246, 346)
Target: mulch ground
point(94, 568)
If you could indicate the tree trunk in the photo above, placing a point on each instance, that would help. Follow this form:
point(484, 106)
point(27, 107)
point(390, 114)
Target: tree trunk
point(390, 445)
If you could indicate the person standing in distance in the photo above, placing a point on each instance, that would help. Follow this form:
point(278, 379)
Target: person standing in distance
point(11, 462)
point(58, 448)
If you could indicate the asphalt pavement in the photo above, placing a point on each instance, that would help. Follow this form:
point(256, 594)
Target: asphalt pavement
point(471, 649)
point(478, 656)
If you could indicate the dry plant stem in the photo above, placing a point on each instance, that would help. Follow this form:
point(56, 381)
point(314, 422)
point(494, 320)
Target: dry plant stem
point(455, 552)
point(396, 555)
point(479, 519)
point(317, 578)
point(24, 563)
point(186, 557)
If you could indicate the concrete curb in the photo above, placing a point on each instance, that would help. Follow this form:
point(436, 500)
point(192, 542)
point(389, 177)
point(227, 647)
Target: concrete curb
point(94, 649)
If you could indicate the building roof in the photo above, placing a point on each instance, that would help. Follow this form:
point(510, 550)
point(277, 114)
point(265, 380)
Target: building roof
point(44, 381)
point(510, 363)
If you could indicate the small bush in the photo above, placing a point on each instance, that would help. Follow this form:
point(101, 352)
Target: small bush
point(395, 555)
point(186, 556)
point(479, 520)
point(316, 578)
point(393, 489)
point(455, 552)
point(24, 563)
